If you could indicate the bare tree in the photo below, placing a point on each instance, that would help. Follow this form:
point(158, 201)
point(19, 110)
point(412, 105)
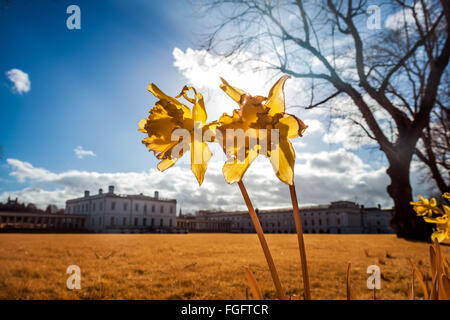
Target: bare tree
point(433, 149)
point(391, 75)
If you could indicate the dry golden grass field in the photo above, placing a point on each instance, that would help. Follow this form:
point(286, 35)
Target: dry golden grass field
point(201, 266)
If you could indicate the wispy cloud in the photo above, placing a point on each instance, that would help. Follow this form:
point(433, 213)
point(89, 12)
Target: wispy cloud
point(21, 81)
point(81, 153)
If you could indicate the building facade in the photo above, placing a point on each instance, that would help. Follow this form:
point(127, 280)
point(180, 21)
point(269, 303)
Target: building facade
point(377, 220)
point(41, 222)
point(113, 213)
point(190, 223)
point(336, 217)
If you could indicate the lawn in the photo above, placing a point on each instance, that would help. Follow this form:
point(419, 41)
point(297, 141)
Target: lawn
point(201, 266)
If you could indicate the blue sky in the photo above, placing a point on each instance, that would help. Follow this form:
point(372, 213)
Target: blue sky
point(88, 86)
point(88, 89)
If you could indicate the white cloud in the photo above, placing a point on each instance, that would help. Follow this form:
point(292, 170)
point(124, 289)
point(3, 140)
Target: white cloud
point(203, 71)
point(397, 20)
point(343, 132)
point(81, 153)
point(314, 126)
point(20, 80)
point(24, 170)
point(320, 178)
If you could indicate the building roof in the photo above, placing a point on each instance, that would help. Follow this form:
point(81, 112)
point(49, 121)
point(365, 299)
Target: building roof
point(332, 205)
point(259, 211)
point(122, 196)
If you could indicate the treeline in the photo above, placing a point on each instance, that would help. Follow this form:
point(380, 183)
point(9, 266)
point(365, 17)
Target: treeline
point(16, 206)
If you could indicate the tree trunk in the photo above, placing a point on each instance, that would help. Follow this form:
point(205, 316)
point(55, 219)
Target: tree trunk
point(405, 222)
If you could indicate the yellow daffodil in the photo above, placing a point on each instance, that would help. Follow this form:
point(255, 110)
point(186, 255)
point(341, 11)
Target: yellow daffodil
point(446, 195)
point(260, 118)
point(425, 207)
point(168, 115)
point(433, 214)
point(442, 226)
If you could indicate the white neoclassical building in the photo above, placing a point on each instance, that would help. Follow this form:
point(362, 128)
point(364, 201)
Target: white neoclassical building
point(336, 217)
point(114, 213)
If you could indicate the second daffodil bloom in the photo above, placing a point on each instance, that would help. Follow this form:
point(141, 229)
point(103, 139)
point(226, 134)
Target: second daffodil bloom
point(425, 207)
point(173, 129)
point(442, 231)
point(433, 214)
point(263, 119)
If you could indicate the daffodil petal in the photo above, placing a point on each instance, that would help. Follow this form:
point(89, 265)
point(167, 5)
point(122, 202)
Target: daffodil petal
point(166, 164)
point(439, 235)
point(141, 125)
point(275, 100)
point(199, 166)
point(199, 111)
point(446, 210)
point(291, 127)
point(437, 220)
point(233, 169)
point(153, 88)
point(184, 94)
point(282, 158)
point(233, 92)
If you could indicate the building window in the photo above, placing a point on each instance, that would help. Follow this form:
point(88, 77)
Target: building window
point(145, 208)
point(124, 221)
point(161, 222)
point(101, 206)
point(170, 222)
point(112, 221)
point(144, 221)
point(93, 206)
point(125, 206)
point(171, 209)
point(162, 209)
point(320, 222)
point(100, 221)
point(136, 207)
point(338, 220)
point(113, 205)
point(153, 208)
point(153, 222)
point(136, 221)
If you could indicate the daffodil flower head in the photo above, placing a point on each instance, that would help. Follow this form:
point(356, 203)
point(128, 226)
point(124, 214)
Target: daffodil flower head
point(442, 231)
point(431, 213)
point(425, 207)
point(266, 128)
point(173, 129)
